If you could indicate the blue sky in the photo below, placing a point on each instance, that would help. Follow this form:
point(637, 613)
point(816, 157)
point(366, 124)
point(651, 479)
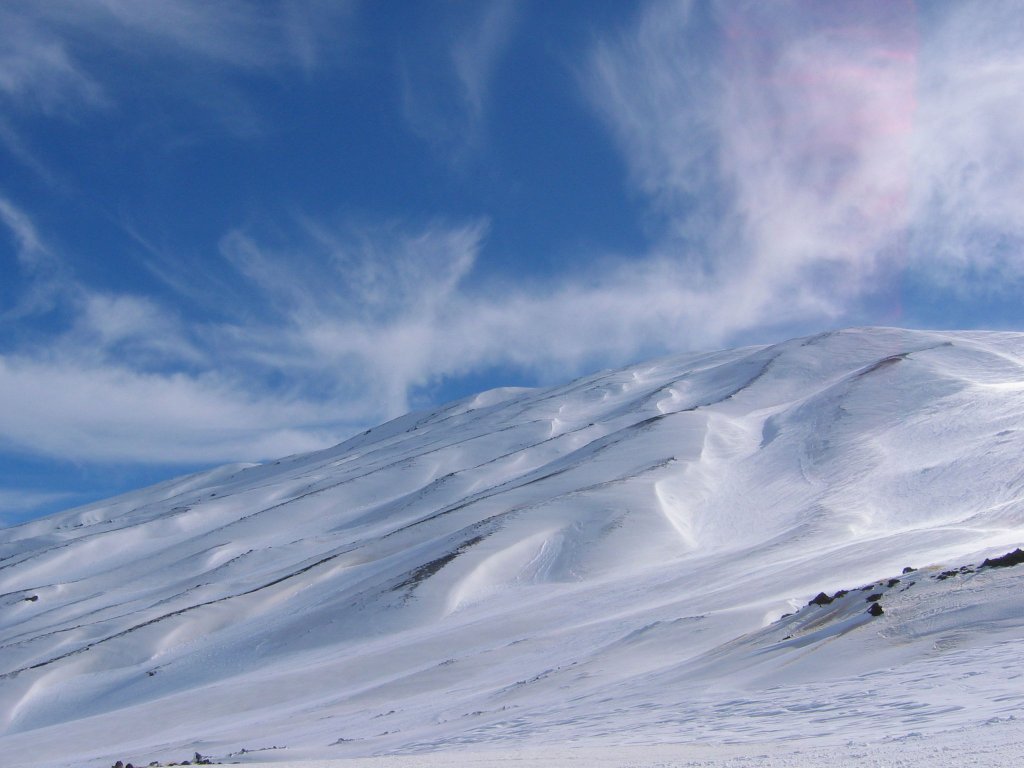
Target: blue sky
point(232, 231)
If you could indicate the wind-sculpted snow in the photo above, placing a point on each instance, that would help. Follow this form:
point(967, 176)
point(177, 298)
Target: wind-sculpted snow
point(607, 561)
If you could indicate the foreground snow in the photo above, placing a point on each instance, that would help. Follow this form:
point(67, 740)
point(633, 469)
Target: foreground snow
point(599, 565)
point(995, 744)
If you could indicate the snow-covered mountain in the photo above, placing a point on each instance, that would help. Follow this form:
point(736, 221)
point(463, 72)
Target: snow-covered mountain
point(609, 561)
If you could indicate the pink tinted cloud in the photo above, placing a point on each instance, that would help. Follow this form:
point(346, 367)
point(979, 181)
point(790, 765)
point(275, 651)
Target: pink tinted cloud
point(828, 84)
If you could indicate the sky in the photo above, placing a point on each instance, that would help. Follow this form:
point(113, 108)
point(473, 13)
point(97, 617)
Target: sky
point(234, 231)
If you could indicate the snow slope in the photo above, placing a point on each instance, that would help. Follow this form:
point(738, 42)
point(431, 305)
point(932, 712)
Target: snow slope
point(603, 563)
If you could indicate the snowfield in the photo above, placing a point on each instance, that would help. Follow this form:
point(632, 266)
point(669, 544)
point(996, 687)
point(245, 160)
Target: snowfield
point(613, 572)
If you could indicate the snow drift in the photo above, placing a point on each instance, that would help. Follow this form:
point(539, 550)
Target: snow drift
point(624, 559)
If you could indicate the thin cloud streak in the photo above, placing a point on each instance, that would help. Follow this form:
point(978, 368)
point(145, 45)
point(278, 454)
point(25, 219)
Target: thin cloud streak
point(55, 57)
point(310, 29)
point(36, 70)
point(42, 273)
point(445, 91)
point(29, 246)
point(231, 32)
point(476, 54)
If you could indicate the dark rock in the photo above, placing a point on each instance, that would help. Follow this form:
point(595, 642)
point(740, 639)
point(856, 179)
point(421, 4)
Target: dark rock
point(31, 598)
point(947, 574)
point(820, 599)
point(876, 609)
point(874, 598)
point(425, 571)
point(1005, 561)
point(118, 764)
point(840, 593)
point(908, 569)
point(892, 583)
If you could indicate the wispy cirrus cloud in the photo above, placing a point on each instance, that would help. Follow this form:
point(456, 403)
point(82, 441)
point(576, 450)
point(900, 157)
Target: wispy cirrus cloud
point(334, 326)
point(350, 314)
point(37, 72)
point(41, 278)
point(356, 309)
point(125, 380)
point(445, 84)
point(66, 59)
point(29, 246)
point(311, 29)
point(376, 313)
point(52, 40)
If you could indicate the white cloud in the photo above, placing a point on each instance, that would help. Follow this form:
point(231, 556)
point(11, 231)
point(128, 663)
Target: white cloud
point(800, 155)
point(60, 408)
point(969, 158)
point(115, 326)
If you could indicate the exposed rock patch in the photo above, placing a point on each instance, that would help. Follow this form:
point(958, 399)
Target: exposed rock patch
point(1005, 561)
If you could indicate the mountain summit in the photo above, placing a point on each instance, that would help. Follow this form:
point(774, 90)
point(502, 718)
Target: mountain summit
point(626, 558)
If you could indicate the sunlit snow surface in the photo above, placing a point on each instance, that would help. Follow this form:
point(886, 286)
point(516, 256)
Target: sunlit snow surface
point(602, 563)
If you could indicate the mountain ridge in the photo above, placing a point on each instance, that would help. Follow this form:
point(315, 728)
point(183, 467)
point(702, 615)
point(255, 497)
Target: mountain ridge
point(549, 553)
